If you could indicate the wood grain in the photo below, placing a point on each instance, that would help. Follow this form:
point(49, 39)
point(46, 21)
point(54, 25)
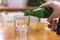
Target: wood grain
point(8, 33)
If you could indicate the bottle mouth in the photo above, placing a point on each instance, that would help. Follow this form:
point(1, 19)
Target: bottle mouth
point(26, 12)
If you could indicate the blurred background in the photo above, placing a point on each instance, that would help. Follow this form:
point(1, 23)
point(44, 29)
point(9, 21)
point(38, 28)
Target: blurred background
point(20, 4)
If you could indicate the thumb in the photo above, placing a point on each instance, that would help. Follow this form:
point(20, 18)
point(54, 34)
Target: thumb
point(48, 4)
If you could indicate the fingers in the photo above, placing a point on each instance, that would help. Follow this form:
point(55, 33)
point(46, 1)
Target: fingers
point(51, 17)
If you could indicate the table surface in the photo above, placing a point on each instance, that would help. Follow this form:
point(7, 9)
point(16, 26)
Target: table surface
point(7, 33)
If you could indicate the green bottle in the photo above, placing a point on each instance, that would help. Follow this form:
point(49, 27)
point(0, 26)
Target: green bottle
point(39, 12)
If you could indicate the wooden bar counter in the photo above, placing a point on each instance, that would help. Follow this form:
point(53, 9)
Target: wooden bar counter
point(7, 33)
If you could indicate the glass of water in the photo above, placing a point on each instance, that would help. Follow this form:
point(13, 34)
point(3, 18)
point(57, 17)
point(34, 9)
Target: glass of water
point(21, 27)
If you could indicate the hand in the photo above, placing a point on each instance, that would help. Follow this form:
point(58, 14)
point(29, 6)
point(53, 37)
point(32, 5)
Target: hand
point(55, 5)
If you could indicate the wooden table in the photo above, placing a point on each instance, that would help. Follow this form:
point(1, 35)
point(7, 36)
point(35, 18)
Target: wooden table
point(7, 33)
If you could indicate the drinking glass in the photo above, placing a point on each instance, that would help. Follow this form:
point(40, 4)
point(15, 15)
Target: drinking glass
point(21, 27)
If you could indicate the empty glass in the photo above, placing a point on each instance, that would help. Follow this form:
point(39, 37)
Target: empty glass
point(21, 27)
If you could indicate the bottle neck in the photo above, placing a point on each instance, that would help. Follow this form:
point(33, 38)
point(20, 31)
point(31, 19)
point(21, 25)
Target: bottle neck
point(39, 12)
